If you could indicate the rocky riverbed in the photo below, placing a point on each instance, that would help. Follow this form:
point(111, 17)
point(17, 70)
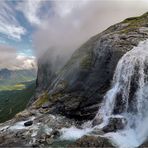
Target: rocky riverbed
point(35, 129)
point(32, 128)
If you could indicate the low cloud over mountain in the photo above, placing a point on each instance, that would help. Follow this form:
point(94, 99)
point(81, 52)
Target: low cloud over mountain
point(9, 58)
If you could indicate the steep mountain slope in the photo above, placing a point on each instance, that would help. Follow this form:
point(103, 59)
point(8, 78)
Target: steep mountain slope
point(79, 87)
point(16, 89)
point(14, 101)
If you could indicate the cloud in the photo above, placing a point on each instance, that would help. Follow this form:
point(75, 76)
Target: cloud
point(11, 60)
point(8, 22)
point(31, 10)
point(26, 62)
point(74, 22)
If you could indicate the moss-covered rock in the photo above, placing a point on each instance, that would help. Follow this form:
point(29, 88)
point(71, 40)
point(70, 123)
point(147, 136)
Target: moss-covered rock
point(41, 100)
point(86, 61)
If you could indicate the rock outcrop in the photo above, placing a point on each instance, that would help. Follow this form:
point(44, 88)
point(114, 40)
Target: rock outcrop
point(78, 88)
point(30, 128)
point(92, 141)
point(115, 124)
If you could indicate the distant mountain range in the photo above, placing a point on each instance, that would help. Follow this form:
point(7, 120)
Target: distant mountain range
point(14, 79)
point(16, 76)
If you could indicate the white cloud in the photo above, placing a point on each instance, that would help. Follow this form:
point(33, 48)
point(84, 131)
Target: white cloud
point(9, 58)
point(30, 9)
point(64, 8)
point(8, 23)
point(12, 31)
point(26, 62)
point(76, 21)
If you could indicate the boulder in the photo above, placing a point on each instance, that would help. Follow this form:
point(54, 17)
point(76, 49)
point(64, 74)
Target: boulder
point(92, 141)
point(97, 121)
point(46, 105)
point(2, 139)
point(55, 134)
point(28, 123)
point(144, 145)
point(115, 124)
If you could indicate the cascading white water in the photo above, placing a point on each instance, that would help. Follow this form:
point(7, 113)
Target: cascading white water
point(128, 97)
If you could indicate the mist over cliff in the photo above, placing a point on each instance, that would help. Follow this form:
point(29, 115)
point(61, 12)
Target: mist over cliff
point(72, 23)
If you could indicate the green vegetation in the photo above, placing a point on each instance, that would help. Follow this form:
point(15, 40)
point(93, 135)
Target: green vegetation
point(13, 101)
point(40, 101)
point(16, 89)
point(86, 62)
point(18, 86)
point(135, 22)
point(129, 25)
point(10, 79)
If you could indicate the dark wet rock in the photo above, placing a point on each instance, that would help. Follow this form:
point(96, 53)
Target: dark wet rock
point(28, 123)
point(55, 134)
point(46, 105)
point(115, 124)
point(2, 139)
point(92, 141)
point(144, 145)
point(97, 131)
point(49, 140)
point(96, 121)
point(10, 140)
point(78, 88)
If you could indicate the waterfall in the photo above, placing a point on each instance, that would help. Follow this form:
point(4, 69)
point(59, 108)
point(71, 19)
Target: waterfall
point(128, 97)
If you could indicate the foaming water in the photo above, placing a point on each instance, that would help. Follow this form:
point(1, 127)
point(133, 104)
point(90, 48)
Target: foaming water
point(74, 133)
point(130, 137)
point(125, 139)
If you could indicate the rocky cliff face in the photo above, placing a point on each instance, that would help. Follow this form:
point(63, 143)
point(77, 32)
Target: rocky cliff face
point(78, 88)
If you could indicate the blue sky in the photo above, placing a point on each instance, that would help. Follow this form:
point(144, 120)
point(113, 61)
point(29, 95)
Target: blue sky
point(19, 19)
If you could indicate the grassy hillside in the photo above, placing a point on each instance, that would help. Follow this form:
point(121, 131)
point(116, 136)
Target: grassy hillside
point(6, 87)
point(14, 100)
